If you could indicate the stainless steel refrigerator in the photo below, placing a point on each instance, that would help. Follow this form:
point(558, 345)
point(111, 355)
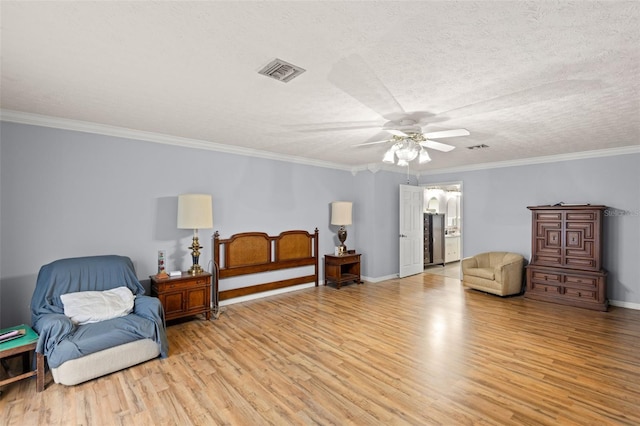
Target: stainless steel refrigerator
point(433, 239)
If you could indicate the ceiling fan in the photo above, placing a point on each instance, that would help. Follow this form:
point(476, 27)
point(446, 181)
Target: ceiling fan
point(356, 78)
point(410, 142)
point(353, 76)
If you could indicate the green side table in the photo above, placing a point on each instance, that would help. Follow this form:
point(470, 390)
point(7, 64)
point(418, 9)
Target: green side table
point(23, 345)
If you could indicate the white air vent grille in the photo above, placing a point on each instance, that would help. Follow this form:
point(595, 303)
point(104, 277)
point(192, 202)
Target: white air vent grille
point(281, 70)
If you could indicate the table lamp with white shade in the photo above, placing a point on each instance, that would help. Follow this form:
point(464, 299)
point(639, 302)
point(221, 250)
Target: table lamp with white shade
point(195, 212)
point(341, 215)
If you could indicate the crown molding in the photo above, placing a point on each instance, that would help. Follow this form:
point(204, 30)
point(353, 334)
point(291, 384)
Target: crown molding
point(120, 132)
point(610, 152)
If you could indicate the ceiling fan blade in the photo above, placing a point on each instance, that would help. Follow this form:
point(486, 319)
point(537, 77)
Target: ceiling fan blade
point(396, 132)
point(356, 78)
point(373, 143)
point(544, 92)
point(447, 134)
point(332, 126)
point(437, 146)
point(345, 128)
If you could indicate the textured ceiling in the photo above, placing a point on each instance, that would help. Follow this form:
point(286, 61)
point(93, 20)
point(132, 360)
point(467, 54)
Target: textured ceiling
point(529, 79)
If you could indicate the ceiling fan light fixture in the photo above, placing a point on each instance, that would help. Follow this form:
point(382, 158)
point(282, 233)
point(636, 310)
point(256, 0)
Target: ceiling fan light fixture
point(408, 150)
point(389, 156)
point(410, 143)
point(423, 158)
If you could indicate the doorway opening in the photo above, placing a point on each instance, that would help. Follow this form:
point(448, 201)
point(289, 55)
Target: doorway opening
point(443, 231)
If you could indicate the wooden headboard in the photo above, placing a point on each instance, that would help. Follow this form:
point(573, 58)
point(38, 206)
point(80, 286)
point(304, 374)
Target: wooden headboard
point(254, 252)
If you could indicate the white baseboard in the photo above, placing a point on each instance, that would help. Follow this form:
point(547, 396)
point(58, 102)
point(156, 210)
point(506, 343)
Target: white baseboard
point(378, 279)
point(627, 305)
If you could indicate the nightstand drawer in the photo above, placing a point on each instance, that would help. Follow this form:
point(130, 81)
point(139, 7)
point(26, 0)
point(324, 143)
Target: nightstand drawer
point(178, 285)
point(345, 259)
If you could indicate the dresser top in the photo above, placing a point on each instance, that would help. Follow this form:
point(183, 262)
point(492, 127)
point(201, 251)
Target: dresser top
point(561, 206)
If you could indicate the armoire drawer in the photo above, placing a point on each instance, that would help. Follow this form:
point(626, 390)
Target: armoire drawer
point(580, 281)
point(543, 276)
point(539, 287)
point(579, 293)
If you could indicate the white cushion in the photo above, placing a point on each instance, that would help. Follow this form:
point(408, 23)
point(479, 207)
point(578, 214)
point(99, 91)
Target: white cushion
point(85, 307)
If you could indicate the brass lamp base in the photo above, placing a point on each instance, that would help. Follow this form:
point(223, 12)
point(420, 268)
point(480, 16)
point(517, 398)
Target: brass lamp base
point(342, 236)
point(195, 270)
point(195, 257)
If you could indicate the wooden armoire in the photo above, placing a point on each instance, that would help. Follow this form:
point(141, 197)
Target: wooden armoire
point(566, 256)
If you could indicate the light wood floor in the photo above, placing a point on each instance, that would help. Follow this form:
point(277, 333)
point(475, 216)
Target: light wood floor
point(417, 351)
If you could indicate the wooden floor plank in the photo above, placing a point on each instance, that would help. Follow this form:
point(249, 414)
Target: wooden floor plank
point(418, 350)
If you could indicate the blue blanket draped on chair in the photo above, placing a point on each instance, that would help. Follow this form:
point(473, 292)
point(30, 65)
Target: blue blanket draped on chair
point(60, 339)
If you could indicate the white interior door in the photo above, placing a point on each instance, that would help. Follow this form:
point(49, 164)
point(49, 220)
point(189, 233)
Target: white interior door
point(411, 230)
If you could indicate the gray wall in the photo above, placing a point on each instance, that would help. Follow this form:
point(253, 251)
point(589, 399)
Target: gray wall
point(66, 194)
point(378, 228)
point(495, 214)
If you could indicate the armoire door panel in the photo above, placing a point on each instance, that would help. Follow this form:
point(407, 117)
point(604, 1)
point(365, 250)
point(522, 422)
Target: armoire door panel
point(581, 216)
point(584, 250)
point(587, 229)
point(544, 228)
point(580, 263)
point(547, 216)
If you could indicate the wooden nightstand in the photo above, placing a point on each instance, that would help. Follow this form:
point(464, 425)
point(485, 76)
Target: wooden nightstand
point(183, 296)
point(343, 268)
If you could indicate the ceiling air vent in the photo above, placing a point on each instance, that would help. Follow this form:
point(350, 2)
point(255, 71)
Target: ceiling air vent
point(481, 146)
point(281, 70)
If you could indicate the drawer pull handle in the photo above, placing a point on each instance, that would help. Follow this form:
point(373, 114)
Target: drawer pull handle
point(579, 294)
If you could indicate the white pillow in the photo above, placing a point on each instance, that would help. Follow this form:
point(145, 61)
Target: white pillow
point(85, 307)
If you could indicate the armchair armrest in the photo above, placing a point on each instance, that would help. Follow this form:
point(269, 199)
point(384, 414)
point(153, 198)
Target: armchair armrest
point(51, 328)
point(510, 274)
point(151, 308)
point(148, 307)
point(468, 262)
